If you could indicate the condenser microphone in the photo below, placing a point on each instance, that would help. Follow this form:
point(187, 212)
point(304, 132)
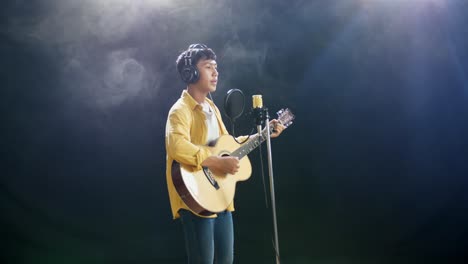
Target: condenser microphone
point(257, 104)
point(257, 101)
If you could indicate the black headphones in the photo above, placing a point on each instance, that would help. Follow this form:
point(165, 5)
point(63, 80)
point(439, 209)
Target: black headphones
point(189, 72)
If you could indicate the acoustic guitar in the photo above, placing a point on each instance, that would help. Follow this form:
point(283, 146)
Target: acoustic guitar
point(206, 192)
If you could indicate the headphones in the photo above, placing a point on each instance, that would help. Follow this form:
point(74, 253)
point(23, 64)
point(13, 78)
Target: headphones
point(189, 72)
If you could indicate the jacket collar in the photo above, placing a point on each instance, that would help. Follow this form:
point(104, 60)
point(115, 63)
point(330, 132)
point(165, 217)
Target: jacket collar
point(188, 99)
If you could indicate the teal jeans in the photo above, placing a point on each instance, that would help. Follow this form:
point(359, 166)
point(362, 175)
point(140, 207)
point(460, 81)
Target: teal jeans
point(208, 240)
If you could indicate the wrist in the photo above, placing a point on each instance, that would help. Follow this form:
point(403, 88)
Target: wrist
point(210, 161)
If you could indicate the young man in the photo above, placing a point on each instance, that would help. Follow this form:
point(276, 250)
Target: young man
point(192, 122)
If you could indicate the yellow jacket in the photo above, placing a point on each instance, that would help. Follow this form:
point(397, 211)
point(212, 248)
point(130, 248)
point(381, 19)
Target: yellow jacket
point(186, 135)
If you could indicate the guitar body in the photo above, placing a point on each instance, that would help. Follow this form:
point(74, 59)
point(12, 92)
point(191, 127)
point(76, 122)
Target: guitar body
point(204, 191)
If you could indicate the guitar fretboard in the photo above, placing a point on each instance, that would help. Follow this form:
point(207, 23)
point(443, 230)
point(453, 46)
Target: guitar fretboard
point(251, 144)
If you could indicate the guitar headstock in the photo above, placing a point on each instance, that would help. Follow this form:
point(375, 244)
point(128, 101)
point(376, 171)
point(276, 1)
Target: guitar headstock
point(285, 117)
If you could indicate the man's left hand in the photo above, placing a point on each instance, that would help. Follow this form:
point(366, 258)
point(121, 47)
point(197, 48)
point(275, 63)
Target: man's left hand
point(277, 128)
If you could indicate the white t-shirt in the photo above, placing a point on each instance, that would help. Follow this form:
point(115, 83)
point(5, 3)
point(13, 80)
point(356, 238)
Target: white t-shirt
point(211, 122)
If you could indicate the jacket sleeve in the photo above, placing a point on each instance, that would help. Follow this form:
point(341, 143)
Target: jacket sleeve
point(241, 139)
point(178, 143)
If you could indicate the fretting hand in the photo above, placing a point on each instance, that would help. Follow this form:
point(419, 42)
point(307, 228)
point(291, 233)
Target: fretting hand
point(277, 128)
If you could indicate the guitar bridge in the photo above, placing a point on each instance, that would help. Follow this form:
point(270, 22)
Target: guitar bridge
point(210, 177)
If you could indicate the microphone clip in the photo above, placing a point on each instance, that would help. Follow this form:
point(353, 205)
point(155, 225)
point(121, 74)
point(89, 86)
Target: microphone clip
point(259, 115)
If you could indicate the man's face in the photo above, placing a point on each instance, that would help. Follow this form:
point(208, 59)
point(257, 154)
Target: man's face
point(208, 70)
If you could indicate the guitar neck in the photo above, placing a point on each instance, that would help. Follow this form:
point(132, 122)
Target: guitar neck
point(251, 144)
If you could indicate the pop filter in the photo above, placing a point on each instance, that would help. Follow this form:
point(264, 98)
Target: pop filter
point(234, 104)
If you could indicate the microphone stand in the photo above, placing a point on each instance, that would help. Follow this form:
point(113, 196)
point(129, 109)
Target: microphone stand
point(272, 184)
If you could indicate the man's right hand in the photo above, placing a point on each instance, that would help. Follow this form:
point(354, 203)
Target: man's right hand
point(222, 165)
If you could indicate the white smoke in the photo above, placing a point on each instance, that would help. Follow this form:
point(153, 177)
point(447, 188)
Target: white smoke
point(89, 37)
point(107, 20)
point(237, 52)
point(111, 50)
point(124, 78)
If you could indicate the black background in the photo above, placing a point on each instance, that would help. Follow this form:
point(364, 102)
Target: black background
point(372, 171)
